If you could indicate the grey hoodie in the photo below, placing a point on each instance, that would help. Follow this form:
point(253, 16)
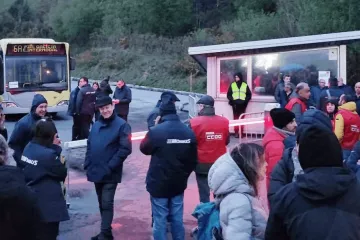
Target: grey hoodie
point(241, 213)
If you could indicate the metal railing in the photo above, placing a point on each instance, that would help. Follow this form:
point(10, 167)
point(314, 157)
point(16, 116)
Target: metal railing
point(192, 106)
point(253, 132)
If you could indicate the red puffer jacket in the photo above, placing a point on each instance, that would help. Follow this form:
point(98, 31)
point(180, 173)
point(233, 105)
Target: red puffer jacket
point(274, 147)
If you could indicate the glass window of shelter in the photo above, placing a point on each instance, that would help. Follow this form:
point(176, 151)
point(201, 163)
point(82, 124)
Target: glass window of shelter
point(302, 66)
point(267, 70)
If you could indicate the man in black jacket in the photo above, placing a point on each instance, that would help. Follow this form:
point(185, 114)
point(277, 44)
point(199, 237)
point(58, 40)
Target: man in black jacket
point(72, 112)
point(172, 146)
point(85, 107)
point(323, 203)
point(122, 98)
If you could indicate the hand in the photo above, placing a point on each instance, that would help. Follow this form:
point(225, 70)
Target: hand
point(2, 121)
point(157, 119)
point(116, 101)
point(358, 162)
point(57, 140)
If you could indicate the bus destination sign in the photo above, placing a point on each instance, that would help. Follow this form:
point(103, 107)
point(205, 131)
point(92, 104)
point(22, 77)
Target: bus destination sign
point(36, 49)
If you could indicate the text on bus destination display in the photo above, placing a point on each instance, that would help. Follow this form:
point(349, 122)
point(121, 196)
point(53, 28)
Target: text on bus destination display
point(36, 49)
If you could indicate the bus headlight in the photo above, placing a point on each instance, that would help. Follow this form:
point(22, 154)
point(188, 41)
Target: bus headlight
point(64, 102)
point(8, 104)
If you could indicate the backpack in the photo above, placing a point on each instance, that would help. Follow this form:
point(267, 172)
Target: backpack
point(208, 217)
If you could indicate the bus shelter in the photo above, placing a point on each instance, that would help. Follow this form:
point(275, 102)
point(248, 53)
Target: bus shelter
point(263, 63)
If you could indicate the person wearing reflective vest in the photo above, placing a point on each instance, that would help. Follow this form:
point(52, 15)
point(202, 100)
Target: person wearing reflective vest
point(239, 95)
point(212, 136)
point(298, 104)
point(347, 125)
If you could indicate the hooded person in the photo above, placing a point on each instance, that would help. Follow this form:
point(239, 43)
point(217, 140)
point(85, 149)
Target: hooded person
point(105, 87)
point(273, 141)
point(331, 109)
point(156, 111)
point(21, 215)
point(288, 168)
point(22, 133)
point(172, 146)
point(323, 202)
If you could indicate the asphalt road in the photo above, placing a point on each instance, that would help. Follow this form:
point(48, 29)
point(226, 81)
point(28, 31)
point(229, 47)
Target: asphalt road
point(140, 107)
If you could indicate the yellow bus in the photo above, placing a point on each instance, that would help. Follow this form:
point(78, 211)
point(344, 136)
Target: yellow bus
point(34, 65)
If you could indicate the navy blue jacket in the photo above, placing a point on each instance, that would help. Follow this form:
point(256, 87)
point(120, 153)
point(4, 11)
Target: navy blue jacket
point(316, 94)
point(23, 130)
point(153, 115)
point(334, 92)
point(72, 101)
point(85, 101)
point(20, 215)
point(323, 203)
point(173, 150)
point(354, 157)
point(348, 90)
point(108, 146)
point(43, 173)
point(124, 95)
point(357, 101)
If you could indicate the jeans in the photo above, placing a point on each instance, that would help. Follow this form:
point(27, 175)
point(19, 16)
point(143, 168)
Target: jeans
point(203, 186)
point(346, 154)
point(161, 209)
point(106, 193)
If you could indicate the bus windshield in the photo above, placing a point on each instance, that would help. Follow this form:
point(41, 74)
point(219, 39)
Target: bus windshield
point(34, 73)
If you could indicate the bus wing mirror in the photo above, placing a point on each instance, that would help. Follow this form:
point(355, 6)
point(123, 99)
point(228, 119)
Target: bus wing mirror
point(72, 64)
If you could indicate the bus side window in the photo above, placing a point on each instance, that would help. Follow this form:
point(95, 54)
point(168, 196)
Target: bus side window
point(2, 83)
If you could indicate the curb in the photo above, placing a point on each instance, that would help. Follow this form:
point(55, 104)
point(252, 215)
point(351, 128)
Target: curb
point(148, 88)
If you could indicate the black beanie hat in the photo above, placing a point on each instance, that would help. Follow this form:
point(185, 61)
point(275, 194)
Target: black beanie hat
point(319, 148)
point(167, 106)
point(103, 101)
point(281, 117)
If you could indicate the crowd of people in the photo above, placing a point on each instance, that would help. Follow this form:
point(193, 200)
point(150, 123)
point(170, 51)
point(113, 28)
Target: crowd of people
point(302, 182)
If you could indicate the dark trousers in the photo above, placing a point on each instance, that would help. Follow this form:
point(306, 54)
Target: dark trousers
point(123, 116)
point(47, 231)
point(237, 111)
point(85, 123)
point(76, 128)
point(105, 193)
point(203, 186)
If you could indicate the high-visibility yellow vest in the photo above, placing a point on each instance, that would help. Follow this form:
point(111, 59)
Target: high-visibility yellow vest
point(239, 93)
